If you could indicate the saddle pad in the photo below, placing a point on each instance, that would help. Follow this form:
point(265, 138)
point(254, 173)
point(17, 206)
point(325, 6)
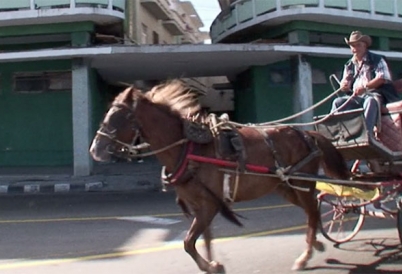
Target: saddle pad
point(391, 131)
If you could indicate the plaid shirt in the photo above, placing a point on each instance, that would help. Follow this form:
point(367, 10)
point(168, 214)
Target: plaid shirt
point(365, 74)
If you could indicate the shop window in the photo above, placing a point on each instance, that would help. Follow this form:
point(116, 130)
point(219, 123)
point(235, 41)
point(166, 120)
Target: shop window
point(38, 82)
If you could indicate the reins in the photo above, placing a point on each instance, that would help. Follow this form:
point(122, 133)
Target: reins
point(278, 122)
point(181, 141)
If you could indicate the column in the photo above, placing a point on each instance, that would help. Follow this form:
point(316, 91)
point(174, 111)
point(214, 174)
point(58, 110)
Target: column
point(303, 90)
point(81, 118)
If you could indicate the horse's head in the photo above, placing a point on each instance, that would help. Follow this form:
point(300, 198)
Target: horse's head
point(118, 129)
point(159, 111)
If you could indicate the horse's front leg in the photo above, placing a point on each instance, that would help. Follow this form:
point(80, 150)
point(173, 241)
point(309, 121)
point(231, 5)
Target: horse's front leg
point(199, 226)
point(208, 239)
point(309, 204)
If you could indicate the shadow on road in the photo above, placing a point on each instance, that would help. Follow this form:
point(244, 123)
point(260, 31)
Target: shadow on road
point(388, 251)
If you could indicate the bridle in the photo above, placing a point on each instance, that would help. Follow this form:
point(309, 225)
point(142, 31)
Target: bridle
point(127, 148)
point(131, 150)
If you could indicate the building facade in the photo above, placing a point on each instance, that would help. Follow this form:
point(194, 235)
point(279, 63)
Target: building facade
point(62, 61)
point(317, 29)
point(163, 22)
point(51, 96)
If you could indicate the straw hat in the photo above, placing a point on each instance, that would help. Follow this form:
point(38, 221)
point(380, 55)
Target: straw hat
point(357, 36)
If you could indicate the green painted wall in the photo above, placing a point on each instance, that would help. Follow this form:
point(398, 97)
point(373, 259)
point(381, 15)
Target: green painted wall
point(258, 98)
point(75, 34)
point(46, 29)
point(36, 129)
point(327, 66)
point(99, 100)
point(244, 98)
point(274, 100)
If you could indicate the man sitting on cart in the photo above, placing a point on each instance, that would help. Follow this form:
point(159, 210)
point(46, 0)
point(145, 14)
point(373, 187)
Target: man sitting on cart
point(367, 78)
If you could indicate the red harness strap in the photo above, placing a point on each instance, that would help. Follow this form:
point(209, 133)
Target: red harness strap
point(219, 162)
point(188, 156)
point(173, 177)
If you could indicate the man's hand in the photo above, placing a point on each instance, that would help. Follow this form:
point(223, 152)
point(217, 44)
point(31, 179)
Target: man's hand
point(359, 91)
point(345, 85)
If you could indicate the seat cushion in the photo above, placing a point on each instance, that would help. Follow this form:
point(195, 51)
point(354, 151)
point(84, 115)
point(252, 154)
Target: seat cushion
point(391, 131)
point(392, 107)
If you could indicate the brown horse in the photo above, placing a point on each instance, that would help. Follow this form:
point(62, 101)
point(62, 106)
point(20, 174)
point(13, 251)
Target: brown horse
point(159, 117)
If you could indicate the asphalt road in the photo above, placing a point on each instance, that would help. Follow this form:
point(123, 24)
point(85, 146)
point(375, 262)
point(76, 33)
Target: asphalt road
point(142, 233)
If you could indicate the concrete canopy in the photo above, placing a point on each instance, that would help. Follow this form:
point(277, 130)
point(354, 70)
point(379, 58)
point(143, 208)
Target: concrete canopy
point(128, 63)
point(123, 63)
point(173, 61)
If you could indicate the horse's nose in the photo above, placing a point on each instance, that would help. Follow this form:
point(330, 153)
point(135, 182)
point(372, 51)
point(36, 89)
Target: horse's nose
point(99, 150)
point(93, 148)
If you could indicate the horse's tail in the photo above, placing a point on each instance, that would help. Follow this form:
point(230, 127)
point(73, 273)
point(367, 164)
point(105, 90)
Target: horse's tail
point(333, 163)
point(226, 212)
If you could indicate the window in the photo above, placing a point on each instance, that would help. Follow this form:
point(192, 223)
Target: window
point(144, 34)
point(155, 38)
point(45, 81)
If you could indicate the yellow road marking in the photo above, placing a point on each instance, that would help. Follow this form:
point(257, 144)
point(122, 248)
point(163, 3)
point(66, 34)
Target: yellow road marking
point(82, 219)
point(164, 247)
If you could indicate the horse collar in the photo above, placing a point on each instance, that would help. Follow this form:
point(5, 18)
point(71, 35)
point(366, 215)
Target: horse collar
point(178, 175)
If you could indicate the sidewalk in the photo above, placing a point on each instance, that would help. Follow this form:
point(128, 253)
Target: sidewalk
point(114, 177)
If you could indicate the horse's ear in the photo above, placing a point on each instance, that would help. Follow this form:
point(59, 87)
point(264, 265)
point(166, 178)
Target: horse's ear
point(136, 94)
point(130, 94)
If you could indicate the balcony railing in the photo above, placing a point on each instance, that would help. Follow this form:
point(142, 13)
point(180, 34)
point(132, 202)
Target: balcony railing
point(15, 12)
point(13, 5)
point(159, 8)
point(245, 13)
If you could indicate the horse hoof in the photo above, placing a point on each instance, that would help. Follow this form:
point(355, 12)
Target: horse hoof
point(319, 246)
point(215, 267)
point(299, 266)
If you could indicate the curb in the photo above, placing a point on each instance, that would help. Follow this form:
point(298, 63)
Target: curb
point(51, 189)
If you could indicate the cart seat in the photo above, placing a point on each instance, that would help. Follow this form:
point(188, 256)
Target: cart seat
point(348, 133)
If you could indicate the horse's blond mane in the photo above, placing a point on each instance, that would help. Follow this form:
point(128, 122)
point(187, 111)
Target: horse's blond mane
point(177, 95)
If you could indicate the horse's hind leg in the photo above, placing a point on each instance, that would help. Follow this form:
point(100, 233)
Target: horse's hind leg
point(200, 225)
point(308, 202)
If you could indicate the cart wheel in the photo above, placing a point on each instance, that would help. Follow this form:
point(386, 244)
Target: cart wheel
point(341, 217)
point(399, 221)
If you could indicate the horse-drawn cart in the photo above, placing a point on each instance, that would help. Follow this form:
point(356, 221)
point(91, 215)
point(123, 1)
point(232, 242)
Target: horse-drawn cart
point(376, 165)
point(221, 162)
